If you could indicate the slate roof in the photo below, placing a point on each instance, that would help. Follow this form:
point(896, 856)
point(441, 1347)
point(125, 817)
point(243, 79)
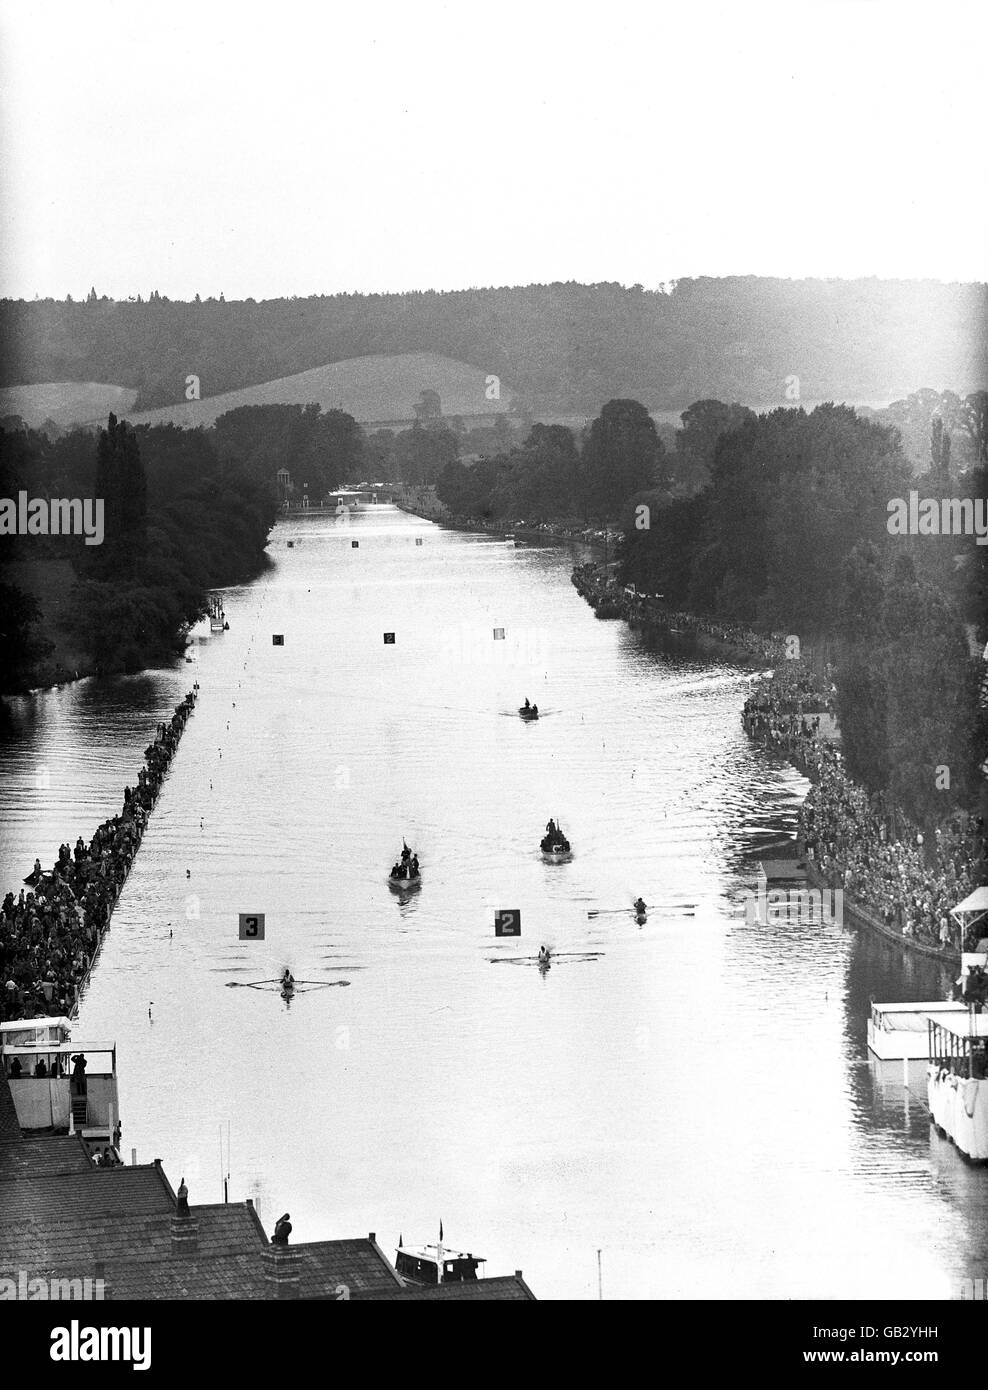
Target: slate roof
point(61, 1216)
point(36, 1157)
point(359, 1264)
point(140, 1262)
point(82, 1196)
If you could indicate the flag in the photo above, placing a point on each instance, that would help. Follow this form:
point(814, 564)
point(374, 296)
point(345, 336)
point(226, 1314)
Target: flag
point(401, 1240)
point(440, 1231)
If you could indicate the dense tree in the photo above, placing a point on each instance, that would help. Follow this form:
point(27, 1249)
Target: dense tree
point(422, 453)
point(940, 452)
point(661, 559)
point(791, 495)
point(122, 485)
point(320, 448)
point(21, 643)
point(973, 424)
point(932, 684)
point(546, 473)
point(862, 694)
point(703, 424)
point(622, 455)
point(197, 523)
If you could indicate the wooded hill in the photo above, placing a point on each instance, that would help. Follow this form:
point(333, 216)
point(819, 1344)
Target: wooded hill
point(558, 348)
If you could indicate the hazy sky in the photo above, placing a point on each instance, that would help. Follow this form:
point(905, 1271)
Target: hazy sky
point(295, 148)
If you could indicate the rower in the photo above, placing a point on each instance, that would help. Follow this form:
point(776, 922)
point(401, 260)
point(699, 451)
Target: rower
point(535, 709)
point(640, 907)
point(551, 828)
point(288, 979)
point(415, 865)
point(406, 853)
point(543, 956)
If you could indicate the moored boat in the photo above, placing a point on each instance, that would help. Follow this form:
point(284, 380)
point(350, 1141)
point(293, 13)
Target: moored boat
point(900, 1032)
point(957, 1081)
point(436, 1264)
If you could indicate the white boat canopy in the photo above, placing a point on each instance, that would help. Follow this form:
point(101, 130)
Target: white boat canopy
point(973, 908)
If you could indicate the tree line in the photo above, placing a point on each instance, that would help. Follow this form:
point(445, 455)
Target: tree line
point(790, 535)
point(180, 518)
point(736, 338)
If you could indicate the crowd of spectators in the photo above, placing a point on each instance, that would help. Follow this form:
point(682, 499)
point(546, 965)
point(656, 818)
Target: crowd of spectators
point(49, 935)
point(787, 703)
point(906, 883)
point(860, 843)
point(608, 597)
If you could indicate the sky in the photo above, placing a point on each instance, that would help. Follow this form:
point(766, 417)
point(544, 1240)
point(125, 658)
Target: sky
point(303, 148)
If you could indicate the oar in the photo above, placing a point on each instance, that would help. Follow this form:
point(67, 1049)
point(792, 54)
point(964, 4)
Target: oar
point(654, 907)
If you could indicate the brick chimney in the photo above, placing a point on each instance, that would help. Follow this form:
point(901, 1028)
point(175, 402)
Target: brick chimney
point(282, 1267)
point(185, 1229)
point(185, 1235)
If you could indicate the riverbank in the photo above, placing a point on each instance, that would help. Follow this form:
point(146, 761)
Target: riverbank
point(423, 503)
point(64, 624)
point(51, 935)
point(609, 599)
point(899, 888)
point(904, 892)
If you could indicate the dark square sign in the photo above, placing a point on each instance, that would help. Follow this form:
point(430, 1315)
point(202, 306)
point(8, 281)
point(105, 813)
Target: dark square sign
point(354, 545)
point(252, 926)
point(389, 639)
point(507, 922)
point(277, 639)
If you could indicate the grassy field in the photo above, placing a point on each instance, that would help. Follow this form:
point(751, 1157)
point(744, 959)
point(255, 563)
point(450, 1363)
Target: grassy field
point(371, 389)
point(66, 402)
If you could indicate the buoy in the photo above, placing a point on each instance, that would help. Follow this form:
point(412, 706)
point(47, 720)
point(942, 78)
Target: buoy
point(188, 873)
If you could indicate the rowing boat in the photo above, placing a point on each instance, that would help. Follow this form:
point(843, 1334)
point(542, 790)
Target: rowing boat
point(405, 885)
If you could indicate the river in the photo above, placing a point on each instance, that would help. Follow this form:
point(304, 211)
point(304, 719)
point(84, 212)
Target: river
point(691, 1098)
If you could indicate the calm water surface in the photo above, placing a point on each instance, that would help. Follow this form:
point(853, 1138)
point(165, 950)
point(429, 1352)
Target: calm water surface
point(692, 1097)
